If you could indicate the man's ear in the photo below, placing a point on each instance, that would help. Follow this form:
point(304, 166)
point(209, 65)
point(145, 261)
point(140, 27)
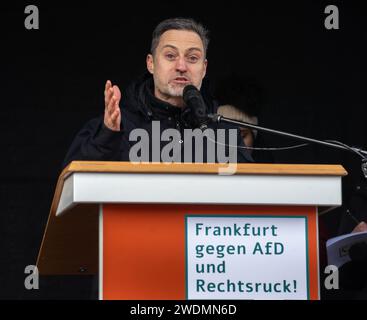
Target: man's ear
point(205, 66)
point(150, 63)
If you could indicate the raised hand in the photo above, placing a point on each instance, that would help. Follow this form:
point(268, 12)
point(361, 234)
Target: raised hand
point(112, 112)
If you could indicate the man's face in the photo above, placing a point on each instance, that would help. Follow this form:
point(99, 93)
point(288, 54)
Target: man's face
point(179, 60)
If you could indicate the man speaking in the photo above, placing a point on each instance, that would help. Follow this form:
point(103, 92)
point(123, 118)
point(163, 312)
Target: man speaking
point(155, 103)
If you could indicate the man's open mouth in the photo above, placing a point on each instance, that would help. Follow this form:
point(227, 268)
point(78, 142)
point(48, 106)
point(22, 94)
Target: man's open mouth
point(182, 80)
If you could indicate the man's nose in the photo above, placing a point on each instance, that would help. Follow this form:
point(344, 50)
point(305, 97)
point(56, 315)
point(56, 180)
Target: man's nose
point(181, 65)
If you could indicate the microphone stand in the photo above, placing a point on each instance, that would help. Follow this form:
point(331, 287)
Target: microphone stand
point(362, 153)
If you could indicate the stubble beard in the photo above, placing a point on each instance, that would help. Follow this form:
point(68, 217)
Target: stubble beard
point(175, 91)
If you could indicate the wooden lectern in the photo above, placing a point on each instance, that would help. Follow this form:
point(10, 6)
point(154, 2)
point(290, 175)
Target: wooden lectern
point(183, 231)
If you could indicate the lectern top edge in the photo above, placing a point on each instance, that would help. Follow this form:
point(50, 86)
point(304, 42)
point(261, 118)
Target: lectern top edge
point(203, 168)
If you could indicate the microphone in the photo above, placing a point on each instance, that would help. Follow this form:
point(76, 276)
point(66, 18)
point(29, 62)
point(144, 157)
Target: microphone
point(195, 102)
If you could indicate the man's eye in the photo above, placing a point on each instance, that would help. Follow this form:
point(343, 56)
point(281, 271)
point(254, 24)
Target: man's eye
point(170, 56)
point(193, 58)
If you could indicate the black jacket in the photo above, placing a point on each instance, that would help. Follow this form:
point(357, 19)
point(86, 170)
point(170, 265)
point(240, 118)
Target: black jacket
point(139, 107)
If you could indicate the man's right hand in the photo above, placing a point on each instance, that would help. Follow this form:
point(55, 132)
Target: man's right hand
point(112, 112)
point(361, 227)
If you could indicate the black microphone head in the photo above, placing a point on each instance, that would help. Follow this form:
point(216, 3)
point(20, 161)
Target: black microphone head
point(195, 102)
point(190, 91)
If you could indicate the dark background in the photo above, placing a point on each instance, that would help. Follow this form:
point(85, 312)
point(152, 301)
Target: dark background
point(52, 82)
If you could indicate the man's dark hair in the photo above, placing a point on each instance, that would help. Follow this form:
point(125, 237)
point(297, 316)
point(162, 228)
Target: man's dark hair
point(186, 24)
